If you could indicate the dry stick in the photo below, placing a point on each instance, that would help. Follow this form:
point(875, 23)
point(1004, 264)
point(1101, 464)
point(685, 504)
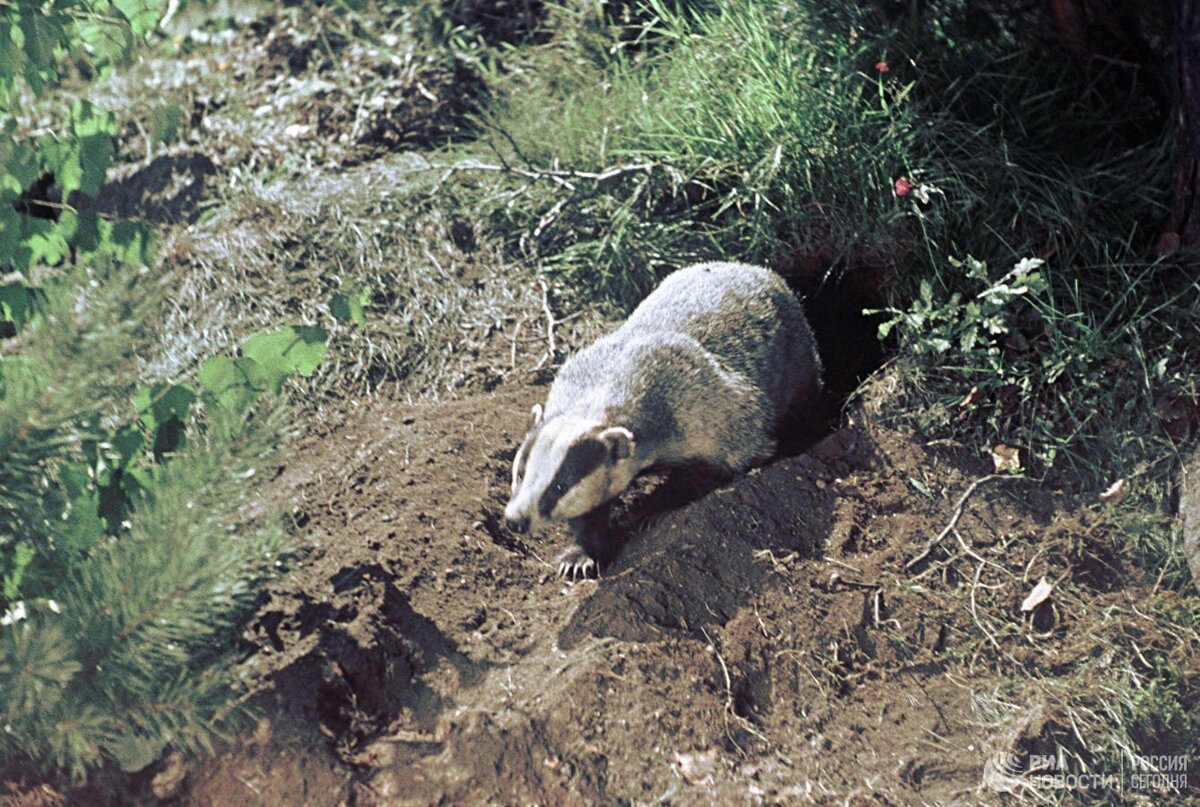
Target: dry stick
point(958, 511)
point(975, 613)
point(548, 219)
point(970, 552)
point(512, 363)
point(556, 176)
point(550, 322)
point(729, 707)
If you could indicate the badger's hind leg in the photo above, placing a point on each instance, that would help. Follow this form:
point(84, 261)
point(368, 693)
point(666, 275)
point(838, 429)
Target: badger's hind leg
point(594, 546)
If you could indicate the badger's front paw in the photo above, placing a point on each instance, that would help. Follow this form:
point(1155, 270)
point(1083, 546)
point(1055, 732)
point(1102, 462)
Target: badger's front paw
point(575, 564)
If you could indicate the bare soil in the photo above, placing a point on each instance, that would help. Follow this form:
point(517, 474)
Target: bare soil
point(759, 644)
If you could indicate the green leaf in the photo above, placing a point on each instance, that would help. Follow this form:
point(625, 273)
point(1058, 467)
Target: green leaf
point(296, 348)
point(163, 402)
point(22, 555)
point(95, 155)
point(87, 120)
point(164, 123)
point(42, 35)
point(126, 444)
point(142, 15)
point(18, 165)
point(85, 236)
point(126, 241)
point(233, 384)
point(349, 306)
point(17, 302)
point(68, 170)
point(12, 60)
point(45, 241)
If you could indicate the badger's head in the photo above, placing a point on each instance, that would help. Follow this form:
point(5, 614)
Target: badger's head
point(566, 467)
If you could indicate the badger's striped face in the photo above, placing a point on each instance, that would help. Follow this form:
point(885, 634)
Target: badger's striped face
point(567, 467)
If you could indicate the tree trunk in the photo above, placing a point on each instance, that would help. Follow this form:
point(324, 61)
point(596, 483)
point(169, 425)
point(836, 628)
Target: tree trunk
point(1184, 223)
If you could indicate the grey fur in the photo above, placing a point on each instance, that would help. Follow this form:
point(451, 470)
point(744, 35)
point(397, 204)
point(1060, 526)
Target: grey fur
point(700, 372)
point(713, 356)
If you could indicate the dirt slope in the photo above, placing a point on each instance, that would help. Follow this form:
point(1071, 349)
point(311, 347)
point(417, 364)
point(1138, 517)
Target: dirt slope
point(738, 650)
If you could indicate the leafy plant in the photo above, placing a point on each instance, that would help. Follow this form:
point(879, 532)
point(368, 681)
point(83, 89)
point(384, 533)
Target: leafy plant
point(972, 326)
point(124, 564)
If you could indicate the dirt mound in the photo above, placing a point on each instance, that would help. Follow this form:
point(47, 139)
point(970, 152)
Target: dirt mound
point(759, 643)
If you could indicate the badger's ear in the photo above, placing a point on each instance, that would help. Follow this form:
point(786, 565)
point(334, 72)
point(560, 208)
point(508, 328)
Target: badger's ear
point(620, 443)
point(535, 417)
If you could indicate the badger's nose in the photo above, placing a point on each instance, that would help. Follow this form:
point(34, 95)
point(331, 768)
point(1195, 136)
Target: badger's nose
point(517, 520)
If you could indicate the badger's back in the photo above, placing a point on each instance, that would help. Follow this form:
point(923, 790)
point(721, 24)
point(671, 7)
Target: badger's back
point(703, 367)
point(744, 315)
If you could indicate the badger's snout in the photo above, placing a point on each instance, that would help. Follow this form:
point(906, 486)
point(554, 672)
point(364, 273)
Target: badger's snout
point(517, 519)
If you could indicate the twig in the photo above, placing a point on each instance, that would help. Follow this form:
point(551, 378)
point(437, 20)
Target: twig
point(844, 565)
point(729, 707)
point(354, 130)
point(558, 176)
point(975, 613)
point(836, 580)
point(548, 219)
point(512, 363)
point(958, 511)
point(970, 552)
point(248, 784)
point(550, 322)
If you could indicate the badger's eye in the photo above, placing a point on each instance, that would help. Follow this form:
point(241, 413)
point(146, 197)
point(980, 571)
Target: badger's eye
point(560, 488)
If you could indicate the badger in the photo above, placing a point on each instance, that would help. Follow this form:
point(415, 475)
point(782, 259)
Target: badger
point(700, 373)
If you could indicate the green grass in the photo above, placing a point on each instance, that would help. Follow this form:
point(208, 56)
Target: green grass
point(764, 133)
point(1118, 693)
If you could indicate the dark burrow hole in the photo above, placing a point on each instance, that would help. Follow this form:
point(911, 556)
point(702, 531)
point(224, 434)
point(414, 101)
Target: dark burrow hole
point(848, 343)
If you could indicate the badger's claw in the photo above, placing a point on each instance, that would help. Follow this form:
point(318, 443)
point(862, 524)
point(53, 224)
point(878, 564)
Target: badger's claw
point(575, 564)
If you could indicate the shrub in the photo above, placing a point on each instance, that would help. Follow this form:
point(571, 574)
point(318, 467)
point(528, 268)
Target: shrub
point(125, 563)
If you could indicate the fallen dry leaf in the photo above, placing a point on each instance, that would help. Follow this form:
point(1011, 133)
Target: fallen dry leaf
point(1038, 596)
point(1006, 458)
point(1115, 492)
point(972, 398)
